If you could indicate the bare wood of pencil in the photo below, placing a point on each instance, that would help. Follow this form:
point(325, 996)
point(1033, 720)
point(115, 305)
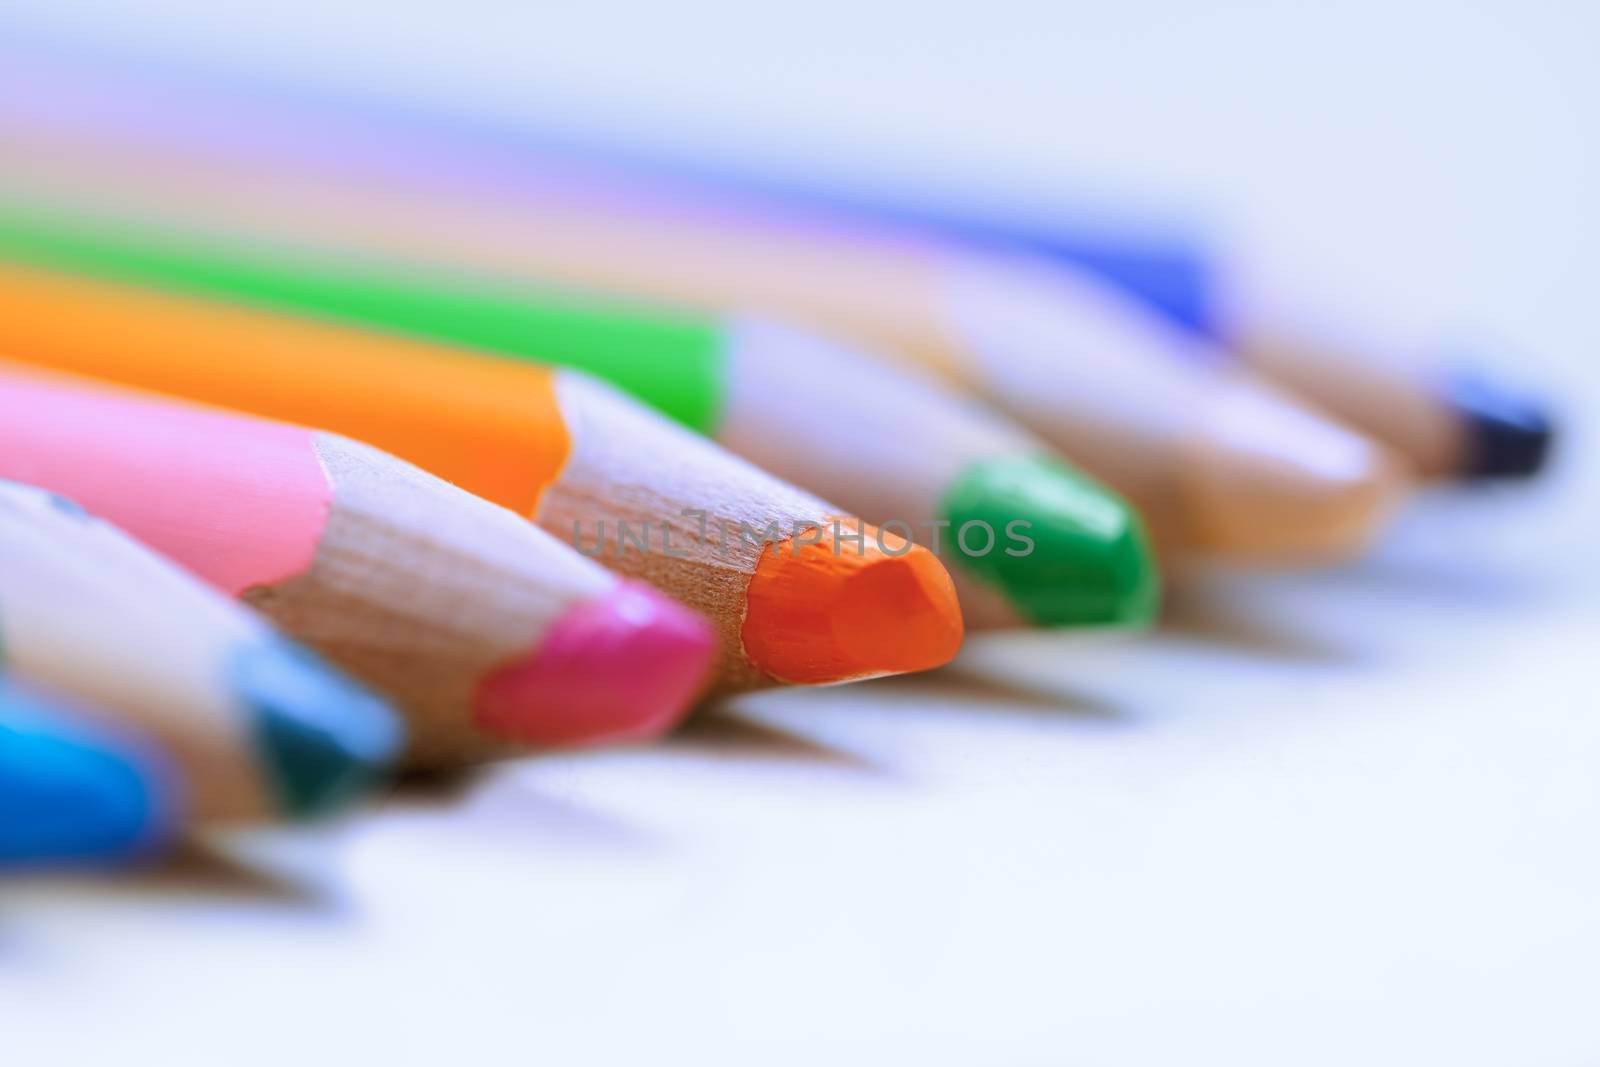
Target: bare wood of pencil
point(740, 546)
point(452, 602)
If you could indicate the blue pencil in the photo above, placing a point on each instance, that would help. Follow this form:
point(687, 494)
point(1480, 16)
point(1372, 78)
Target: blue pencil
point(74, 792)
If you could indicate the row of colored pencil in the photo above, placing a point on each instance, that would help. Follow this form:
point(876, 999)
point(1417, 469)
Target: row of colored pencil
point(329, 358)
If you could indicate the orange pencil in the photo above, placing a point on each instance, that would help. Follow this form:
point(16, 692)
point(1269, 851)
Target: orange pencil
point(797, 592)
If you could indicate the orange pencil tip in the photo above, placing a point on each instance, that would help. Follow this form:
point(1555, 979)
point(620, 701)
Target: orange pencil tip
point(834, 609)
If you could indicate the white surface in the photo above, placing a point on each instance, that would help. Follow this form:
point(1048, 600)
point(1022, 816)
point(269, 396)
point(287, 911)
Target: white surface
point(1332, 819)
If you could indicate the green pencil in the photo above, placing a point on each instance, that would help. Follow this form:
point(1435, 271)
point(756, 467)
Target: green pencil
point(1030, 538)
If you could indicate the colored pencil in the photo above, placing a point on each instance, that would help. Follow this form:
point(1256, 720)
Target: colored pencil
point(905, 451)
point(482, 627)
point(791, 593)
point(1449, 416)
point(1448, 420)
point(1445, 412)
point(74, 791)
point(1217, 465)
point(255, 725)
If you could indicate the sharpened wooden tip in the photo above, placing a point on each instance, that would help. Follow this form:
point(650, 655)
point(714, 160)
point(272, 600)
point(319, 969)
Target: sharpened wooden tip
point(833, 610)
point(1269, 479)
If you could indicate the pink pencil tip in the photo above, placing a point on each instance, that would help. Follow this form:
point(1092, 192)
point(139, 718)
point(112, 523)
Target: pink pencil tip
point(623, 666)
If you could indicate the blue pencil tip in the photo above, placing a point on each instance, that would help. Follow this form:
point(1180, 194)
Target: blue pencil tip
point(72, 794)
point(1508, 435)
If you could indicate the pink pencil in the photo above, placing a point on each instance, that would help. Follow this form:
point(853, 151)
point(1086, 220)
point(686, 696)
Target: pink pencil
point(484, 628)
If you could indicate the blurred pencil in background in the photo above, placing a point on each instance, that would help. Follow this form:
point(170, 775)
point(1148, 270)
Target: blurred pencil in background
point(483, 628)
point(1450, 420)
point(1219, 465)
point(796, 592)
point(75, 791)
point(1449, 415)
point(256, 726)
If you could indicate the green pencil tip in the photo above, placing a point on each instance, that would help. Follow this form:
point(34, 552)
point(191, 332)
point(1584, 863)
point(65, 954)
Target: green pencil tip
point(323, 739)
point(1066, 551)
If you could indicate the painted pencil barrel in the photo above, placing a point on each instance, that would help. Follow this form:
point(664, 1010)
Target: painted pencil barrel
point(484, 629)
point(256, 725)
point(555, 446)
point(76, 792)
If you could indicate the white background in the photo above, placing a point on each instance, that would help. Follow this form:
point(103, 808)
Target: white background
point(1329, 819)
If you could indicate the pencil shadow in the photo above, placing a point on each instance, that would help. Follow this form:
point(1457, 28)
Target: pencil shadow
point(1453, 584)
point(1002, 688)
point(499, 797)
point(1210, 617)
point(722, 732)
point(202, 868)
point(194, 868)
point(431, 786)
